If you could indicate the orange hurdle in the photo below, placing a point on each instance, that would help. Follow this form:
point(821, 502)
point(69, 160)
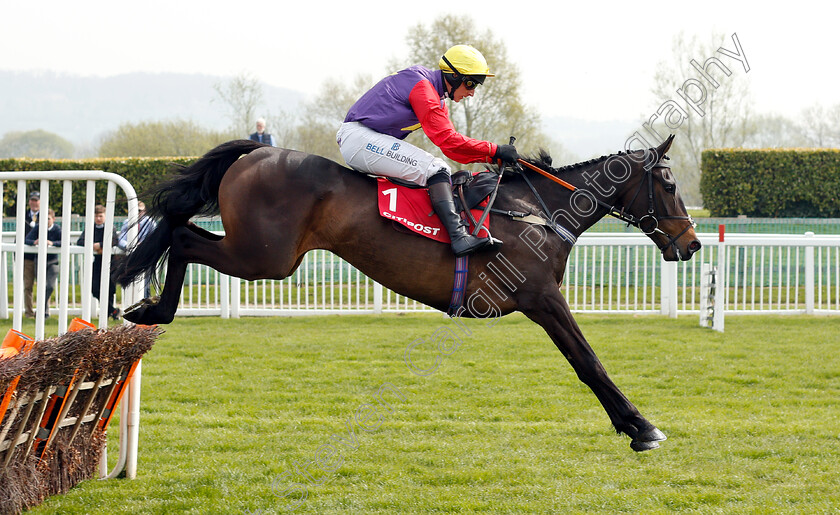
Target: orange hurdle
point(14, 343)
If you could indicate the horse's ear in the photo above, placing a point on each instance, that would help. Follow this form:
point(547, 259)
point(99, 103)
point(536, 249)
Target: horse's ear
point(665, 146)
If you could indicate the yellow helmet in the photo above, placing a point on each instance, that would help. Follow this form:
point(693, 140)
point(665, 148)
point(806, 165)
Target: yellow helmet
point(464, 60)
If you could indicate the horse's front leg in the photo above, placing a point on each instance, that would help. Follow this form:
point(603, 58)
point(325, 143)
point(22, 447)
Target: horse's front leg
point(551, 311)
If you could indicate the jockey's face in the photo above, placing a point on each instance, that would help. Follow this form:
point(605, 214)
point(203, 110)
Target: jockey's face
point(462, 92)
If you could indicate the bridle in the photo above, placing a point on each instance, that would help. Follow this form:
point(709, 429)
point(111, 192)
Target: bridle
point(647, 223)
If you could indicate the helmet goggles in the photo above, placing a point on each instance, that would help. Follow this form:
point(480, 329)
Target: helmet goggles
point(469, 81)
point(472, 81)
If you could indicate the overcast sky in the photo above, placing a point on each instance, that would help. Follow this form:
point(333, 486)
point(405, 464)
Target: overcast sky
point(586, 59)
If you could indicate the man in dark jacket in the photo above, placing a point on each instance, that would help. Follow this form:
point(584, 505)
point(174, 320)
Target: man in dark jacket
point(28, 257)
point(262, 136)
point(53, 240)
point(98, 238)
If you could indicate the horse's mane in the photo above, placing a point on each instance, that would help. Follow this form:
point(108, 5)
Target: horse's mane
point(543, 161)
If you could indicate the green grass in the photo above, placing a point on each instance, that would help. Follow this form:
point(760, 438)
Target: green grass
point(501, 426)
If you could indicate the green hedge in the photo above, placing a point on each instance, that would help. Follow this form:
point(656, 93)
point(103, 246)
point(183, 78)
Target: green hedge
point(771, 182)
point(140, 172)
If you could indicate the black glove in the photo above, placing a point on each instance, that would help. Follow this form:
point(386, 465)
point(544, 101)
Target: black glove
point(506, 153)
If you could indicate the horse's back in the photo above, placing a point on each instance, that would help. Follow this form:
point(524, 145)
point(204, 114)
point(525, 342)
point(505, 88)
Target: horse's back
point(276, 187)
point(272, 165)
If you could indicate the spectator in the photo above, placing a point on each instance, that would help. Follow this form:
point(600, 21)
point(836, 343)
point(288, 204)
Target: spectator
point(261, 135)
point(145, 226)
point(53, 240)
point(98, 239)
point(28, 257)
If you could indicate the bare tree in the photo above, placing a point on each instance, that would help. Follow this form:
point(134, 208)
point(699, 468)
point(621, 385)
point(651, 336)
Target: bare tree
point(705, 100)
point(160, 138)
point(323, 115)
point(774, 131)
point(241, 95)
point(821, 126)
point(283, 124)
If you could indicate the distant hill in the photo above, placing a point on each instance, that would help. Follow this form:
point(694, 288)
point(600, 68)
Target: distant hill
point(82, 109)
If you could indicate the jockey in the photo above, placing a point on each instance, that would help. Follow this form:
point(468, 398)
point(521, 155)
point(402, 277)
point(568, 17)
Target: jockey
point(370, 139)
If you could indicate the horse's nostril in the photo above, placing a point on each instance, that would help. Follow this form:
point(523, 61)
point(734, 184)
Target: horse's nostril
point(694, 246)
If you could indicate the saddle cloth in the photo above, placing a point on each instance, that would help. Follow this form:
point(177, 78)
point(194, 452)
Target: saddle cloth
point(412, 208)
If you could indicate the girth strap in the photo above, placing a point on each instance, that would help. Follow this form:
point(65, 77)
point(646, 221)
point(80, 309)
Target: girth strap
point(459, 288)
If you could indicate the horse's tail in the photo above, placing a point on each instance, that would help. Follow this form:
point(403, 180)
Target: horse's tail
point(189, 191)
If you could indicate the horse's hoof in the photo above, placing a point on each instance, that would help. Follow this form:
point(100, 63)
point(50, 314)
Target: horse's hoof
point(137, 311)
point(648, 440)
point(134, 314)
point(640, 446)
point(653, 435)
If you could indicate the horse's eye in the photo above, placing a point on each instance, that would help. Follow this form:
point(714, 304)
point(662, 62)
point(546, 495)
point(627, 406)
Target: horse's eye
point(670, 188)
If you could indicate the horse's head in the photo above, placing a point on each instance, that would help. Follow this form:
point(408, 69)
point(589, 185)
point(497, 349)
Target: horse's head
point(651, 201)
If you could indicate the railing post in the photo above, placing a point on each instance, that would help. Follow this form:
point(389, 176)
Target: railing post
point(668, 289)
point(810, 284)
point(41, 262)
point(721, 283)
point(4, 286)
point(17, 275)
point(4, 273)
point(235, 296)
point(377, 298)
point(64, 266)
point(133, 437)
point(224, 294)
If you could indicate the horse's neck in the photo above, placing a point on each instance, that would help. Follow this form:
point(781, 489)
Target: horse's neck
point(620, 195)
point(574, 211)
point(570, 209)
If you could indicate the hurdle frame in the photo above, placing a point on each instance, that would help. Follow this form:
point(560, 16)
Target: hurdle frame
point(130, 409)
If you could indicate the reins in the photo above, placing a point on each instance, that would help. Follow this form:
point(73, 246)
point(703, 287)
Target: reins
point(478, 226)
point(621, 215)
point(547, 175)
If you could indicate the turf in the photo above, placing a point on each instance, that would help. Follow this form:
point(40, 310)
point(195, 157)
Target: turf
point(244, 416)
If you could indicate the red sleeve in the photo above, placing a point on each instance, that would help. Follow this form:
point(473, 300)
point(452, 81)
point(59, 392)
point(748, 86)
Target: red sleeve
point(434, 118)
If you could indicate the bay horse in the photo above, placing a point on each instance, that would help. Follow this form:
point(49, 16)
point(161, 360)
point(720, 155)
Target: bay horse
point(277, 204)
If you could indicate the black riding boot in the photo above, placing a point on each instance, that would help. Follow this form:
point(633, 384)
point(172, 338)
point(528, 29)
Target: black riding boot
point(444, 205)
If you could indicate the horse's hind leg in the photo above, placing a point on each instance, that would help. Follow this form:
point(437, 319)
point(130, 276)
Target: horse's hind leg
point(552, 312)
point(191, 244)
point(161, 309)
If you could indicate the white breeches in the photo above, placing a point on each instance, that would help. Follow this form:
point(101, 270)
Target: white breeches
point(369, 151)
